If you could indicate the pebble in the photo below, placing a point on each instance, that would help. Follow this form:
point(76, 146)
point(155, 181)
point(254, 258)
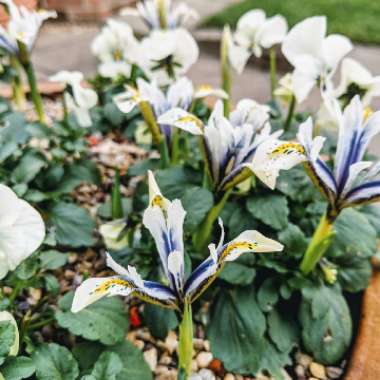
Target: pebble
point(303, 359)
point(204, 359)
point(300, 370)
point(229, 376)
point(150, 357)
point(318, 370)
point(334, 372)
point(198, 344)
point(206, 345)
point(165, 359)
point(139, 344)
point(171, 342)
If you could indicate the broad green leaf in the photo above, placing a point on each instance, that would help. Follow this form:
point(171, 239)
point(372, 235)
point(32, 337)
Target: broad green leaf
point(270, 209)
point(283, 330)
point(74, 226)
point(7, 338)
point(108, 366)
point(159, 320)
point(104, 210)
point(372, 213)
point(105, 320)
point(27, 169)
point(240, 272)
point(113, 114)
point(18, 368)
point(54, 362)
point(294, 240)
point(142, 167)
point(236, 330)
point(326, 323)
point(238, 219)
point(197, 202)
point(52, 259)
point(268, 294)
point(354, 236)
point(87, 353)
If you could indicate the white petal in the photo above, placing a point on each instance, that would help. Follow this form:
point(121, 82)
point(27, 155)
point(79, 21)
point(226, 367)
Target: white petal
point(334, 48)
point(179, 118)
point(305, 38)
point(273, 31)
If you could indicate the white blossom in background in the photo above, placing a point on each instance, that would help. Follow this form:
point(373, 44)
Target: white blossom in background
point(78, 99)
point(314, 55)
point(357, 80)
point(163, 14)
point(22, 230)
point(23, 26)
point(285, 89)
point(117, 49)
point(170, 54)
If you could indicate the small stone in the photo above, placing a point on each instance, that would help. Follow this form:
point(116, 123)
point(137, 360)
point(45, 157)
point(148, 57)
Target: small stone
point(7, 290)
point(229, 376)
point(312, 378)
point(73, 258)
point(261, 376)
point(204, 359)
point(150, 357)
point(194, 366)
point(164, 373)
point(171, 342)
point(165, 359)
point(239, 377)
point(69, 274)
point(206, 345)
point(217, 367)
point(318, 370)
point(285, 375)
point(198, 344)
point(300, 370)
point(206, 374)
point(36, 294)
point(140, 344)
point(303, 359)
point(334, 372)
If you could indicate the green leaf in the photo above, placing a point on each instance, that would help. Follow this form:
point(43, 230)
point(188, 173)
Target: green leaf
point(354, 236)
point(105, 320)
point(354, 273)
point(159, 320)
point(7, 339)
point(270, 209)
point(283, 330)
point(372, 213)
point(134, 364)
point(55, 362)
point(104, 210)
point(236, 330)
point(240, 272)
point(108, 366)
point(74, 226)
point(268, 294)
point(113, 114)
point(238, 219)
point(326, 323)
point(87, 353)
point(141, 167)
point(294, 240)
point(52, 284)
point(52, 259)
point(30, 165)
point(18, 368)
point(197, 202)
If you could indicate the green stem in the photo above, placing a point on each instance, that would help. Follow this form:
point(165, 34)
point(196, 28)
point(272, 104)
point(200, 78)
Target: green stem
point(291, 110)
point(319, 244)
point(17, 85)
point(185, 349)
point(164, 153)
point(28, 67)
point(202, 236)
point(41, 323)
point(116, 204)
point(273, 70)
point(175, 145)
point(15, 292)
point(225, 71)
point(162, 14)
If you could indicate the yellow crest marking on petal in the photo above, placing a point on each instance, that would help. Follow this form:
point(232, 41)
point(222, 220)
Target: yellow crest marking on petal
point(205, 87)
point(368, 111)
point(117, 55)
point(237, 245)
point(191, 119)
point(158, 200)
point(108, 284)
point(286, 149)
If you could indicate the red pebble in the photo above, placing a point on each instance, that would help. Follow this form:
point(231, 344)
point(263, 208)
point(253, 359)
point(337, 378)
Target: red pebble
point(134, 317)
point(92, 140)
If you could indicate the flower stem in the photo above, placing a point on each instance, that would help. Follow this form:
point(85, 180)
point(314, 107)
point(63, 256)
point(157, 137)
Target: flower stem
point(291, 110)
point(202, 236)
point(320, 242)
point(273, 70)
point(176, 136)
point(226, 73)
point(116, 204)
point(185, 349)
point(28, 67)
point(17, 86)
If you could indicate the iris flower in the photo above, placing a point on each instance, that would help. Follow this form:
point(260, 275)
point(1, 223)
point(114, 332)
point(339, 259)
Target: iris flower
point(180, 94)
point(169, 54)
point(229, 144)
point(162, 14)
point(78, 99)
point(164, 219)
point(117, 50)
point(22, 230)
point(23, 26)
point(313, 55)
point(357, 80)
point(352, 181)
